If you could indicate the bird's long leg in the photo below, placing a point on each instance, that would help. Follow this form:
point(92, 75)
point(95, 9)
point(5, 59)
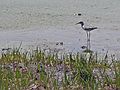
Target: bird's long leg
point(87, 40)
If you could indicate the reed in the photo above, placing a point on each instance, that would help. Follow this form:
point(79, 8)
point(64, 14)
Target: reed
point(39, 70)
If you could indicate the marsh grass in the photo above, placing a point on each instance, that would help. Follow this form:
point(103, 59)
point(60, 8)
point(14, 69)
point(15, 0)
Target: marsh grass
point(38, 70)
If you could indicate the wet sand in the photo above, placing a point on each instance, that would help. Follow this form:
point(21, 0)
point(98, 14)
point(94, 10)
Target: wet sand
point(46, 22)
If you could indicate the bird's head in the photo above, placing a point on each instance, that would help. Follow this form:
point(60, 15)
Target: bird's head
point(81, 22)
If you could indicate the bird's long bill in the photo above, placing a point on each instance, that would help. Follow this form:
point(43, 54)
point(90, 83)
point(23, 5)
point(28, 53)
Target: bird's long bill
point(77, 23)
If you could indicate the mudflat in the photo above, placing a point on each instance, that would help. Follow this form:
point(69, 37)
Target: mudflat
point(46, 22)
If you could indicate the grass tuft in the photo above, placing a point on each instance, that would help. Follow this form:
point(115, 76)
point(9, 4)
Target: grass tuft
point(39, 70)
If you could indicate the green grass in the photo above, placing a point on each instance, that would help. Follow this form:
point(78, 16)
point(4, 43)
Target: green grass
point(36, 69)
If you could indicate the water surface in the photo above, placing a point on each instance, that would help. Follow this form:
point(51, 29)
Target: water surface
point(35, 22)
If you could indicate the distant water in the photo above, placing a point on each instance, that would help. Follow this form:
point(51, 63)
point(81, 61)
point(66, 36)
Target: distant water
point(55, 20)
point(19, 14)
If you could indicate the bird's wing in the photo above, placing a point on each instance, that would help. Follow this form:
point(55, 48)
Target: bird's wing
point(89, 29)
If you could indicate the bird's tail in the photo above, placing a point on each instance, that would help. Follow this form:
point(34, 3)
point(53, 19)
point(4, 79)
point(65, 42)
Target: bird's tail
point(95, 27)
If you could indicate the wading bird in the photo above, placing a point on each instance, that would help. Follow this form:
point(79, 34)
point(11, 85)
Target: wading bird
point(87, 32)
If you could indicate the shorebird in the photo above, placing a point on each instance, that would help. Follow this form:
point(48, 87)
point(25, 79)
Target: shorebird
point(87, 32)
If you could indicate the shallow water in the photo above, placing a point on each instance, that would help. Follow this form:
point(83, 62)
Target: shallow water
point(45, 22)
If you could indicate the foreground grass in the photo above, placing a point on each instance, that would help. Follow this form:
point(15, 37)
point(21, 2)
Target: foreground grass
point(38, 70)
